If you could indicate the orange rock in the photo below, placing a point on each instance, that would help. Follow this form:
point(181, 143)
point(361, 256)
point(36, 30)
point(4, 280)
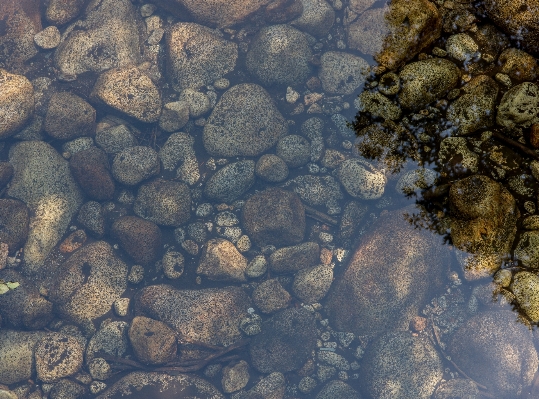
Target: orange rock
point(73, 242)
point(325, 256)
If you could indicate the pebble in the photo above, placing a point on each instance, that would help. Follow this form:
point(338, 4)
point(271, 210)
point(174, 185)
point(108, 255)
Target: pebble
point(121, 306)
point(136, 274)
point(48, 38)
point(291, 95)
point(257, 267)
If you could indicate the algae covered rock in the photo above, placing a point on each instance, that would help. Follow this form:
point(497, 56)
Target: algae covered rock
point(525, 287)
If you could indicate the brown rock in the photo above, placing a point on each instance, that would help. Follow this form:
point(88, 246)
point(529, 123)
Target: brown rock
point(21, 20)
point(274, 216)
point(518, 64)
point(130, 91)
point(140, 238)
point(270, 296)
point(294, 258)
point(534, 135)
point(208, 315)
point(384, 286)
point(518, 18)
point(14, 219)
point(16, 102)
point(396, 34)
point(69, 116)
point(91, 170)
point(73, 242)
point(153, 341)
point(222, 261)
point(58, 356)
point(217, 13)
point(60, 12)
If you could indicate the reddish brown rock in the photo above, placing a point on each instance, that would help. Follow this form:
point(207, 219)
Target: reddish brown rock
point(153, 341)
point(91, 170)
point(69, 116)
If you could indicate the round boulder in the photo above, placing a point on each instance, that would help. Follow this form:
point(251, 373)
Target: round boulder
point(16, 103)
point(153, 341)
point(135, 164)
point(280, 55)
point(230, 182)
point(245, 122)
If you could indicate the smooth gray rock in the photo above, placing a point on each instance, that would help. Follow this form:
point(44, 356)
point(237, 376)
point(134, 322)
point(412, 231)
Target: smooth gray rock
point(316, 19)
point(17, 354)
point(342, 73)
point(230, 182)
point(135, 164)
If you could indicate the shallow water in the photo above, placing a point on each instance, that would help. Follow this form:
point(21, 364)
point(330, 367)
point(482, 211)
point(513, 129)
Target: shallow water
point(438, 261)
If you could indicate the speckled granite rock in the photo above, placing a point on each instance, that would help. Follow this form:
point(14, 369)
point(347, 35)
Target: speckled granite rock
point(69, 116)
point(398, 359)
point(16, 102)
point(14, 218)
point(140, 238)
point(135, 164)
point(221, 261)
point(182, 310)
point(342, 73)
point(230, 182)
point(17, 354)
point(161, 386)
point(245, 122)
point(89, 282)
point(131, 91)
point(317, 17)
point(43, 181)
point(106, 36)
point(91, 169)
point(60, 12)
point(197, 56)
point(153, 341)
point(497, 351)
point(375, 292)
point(57, 356)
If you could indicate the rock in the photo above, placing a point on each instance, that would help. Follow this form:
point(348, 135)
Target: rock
point(135, 164)
point(42, 180)
point(497, 351)
point(57, 356)
point(106, 37)
point(294, 150)
point(14, 219)
point(181, 309)
point(140, 238)
point(91, 170)
point(519, 106)
point(257, 267)
point(476, 108)
point(166, 203)
point(245, 122)
point(88, 283)
point(377, 274)
point(361, 180)
point(295, 258)
point(316, 190)
point(115, 139)
point(527, 247)
point(313, 129)
point(279, 54)
point(337, 390)
point(416, 180)
point(67, 389)
point(160, 386)
point(426, 81)
point(174, 116)
point(457, 158)
point(91, 216)
point(518, 64)
point(24, 307)
point(285, 343)
point(272, 386)
point(525, 287)
point(130, 91)
point(274, 216)
point(197, 55)
point(16, 103)
point(316, 19)
point(77, 145)
point(396, 34)
point(220, 13)
point(483, 223)
point(378, 105)
point(462, 47)
point(153, 341)
point(99, 369)
point(457, 388)
point(271, 168)
point(22, 20)
point(231, 182)
point(518, 19)
point(69, 116)
point(6, 173)
point(17, 353)
point(270, 296)
point(178, 151)
point(48, 38)
point(60, 12)
point(111, 339)
point(398, 359)
point(235, 377)
point(221, 261)
point(342, 73)
point(312, 284)
point(121, 306)
point(199, 103)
